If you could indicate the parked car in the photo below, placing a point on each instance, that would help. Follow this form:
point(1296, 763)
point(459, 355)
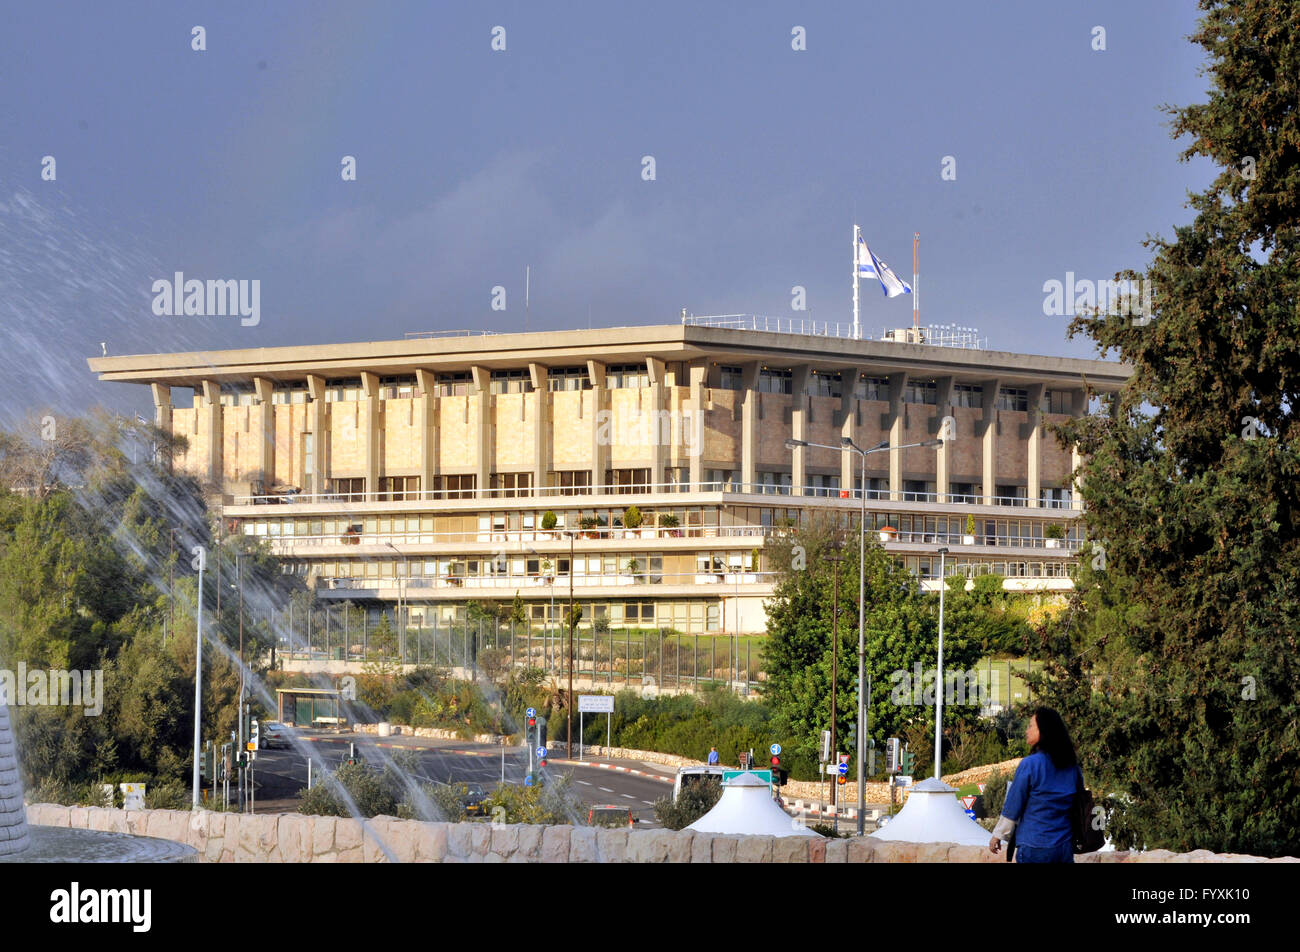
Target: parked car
point(472, 796)
point(610, 814)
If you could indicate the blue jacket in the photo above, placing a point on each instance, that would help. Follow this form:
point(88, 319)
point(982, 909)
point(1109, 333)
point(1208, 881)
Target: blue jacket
point(1040, 800)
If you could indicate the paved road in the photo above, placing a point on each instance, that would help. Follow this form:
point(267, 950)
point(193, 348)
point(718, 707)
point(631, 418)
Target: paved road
point(282, 774)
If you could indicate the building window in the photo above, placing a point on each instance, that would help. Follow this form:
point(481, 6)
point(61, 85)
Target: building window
point(452, 384)
point(916, 490)
point(721, 480)
point(237, 395)
point(338, 391)
point(454, 487)
point(567, 378)
point(775, 381)
point(1057, 498)
point(571, 481)
point(871, 388)
point(1056, 401)
point(397, 488)
point(353, 488)
point(962, 492)
point(1009, 398)
point(920, 391)
point(509, 485)
point(627, 480)
point(394, 388)
point(1011, 495)
point(773, 483)
point(820, 485)
point(824, 384)
point(511, 381)
point(967, 395)
point(731, 378)
point(627, 377)
point(290, 393)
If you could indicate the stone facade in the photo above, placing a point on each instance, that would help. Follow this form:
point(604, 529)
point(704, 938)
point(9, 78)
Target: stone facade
point(294, 838)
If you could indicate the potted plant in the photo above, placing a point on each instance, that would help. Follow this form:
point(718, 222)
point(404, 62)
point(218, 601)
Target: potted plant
point(549, 519)
point(632, 520)
point(633, 568)
point(669, 522)
point(888, 533)
point(587, 524)
point(969, 537)
point(547, 577)
point(1053, 535)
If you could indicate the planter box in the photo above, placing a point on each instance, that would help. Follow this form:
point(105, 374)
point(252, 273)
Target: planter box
point(967, 540)
point(1052, 543)
point(888, 535)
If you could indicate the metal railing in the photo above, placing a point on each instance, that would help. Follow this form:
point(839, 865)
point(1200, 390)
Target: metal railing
point(603, 533)
point(647, 488)
point(775, 325)
point(460, 332)
point(469, 583)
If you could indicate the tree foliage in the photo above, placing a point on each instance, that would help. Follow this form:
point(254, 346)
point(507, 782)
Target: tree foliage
point(1177, 664)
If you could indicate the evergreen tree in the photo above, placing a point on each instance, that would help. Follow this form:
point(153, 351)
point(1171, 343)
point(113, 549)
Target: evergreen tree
point(1178, 666)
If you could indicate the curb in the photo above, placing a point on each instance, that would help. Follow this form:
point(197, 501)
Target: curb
point(626, 770)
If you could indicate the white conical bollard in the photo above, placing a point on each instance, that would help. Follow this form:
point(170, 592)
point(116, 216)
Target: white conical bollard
point(14, 838)
point(933, 815)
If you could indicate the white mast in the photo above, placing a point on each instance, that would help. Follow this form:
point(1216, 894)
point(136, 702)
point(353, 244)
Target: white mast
point(857, 334)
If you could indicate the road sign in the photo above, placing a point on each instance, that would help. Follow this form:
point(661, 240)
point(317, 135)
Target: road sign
point(980, 787)
point(541, 752)
point(904, 780)
point(844, 758)
point(595, 704)
point(765, 775)
point(844, 769)
point(528, 781)
point(826, 747)
point(531, 712)
point(969, 804)
point(776, 750)
point(971, 814)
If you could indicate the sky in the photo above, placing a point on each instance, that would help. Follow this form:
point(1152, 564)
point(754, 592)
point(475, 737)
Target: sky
point(473, 164)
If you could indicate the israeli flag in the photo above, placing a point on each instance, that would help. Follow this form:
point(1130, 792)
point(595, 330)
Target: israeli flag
point(869, 266)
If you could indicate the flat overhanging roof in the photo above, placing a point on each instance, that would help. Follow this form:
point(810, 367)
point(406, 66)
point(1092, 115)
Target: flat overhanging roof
point(611, 345)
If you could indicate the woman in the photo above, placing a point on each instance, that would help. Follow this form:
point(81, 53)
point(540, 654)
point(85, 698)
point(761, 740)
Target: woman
point(1039, 808)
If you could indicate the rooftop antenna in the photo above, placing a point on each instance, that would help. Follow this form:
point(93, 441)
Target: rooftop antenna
point(528, 277)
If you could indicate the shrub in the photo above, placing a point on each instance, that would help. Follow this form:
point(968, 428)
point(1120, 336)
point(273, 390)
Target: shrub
point(694, 801)
point(632, 517)
point(548, 520)
point(372, 792)
point(995, 793)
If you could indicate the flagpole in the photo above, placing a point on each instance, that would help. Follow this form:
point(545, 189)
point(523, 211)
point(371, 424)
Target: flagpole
point(857, 333)
point(916, 284)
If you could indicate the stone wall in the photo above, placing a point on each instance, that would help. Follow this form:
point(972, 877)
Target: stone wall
point(294, 838)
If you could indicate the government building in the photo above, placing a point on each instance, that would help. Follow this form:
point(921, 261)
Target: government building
point(646, 466)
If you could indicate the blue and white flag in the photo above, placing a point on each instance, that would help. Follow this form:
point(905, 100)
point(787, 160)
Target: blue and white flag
point(869, 266)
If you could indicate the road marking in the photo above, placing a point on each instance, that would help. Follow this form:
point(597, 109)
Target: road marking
point(607, 790)
point(628, 795)
point(585, 783)
point(648, 803)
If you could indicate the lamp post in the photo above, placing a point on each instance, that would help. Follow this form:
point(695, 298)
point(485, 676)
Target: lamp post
point(846, 443)
point(938, 681)
point(200, 554)
point(401, 584)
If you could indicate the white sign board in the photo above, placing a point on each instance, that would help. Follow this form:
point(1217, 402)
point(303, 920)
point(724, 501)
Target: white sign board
point(595, 704)
point(133, 793)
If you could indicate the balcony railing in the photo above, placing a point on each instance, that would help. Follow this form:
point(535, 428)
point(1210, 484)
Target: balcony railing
point(625, 489)
point(559, 583)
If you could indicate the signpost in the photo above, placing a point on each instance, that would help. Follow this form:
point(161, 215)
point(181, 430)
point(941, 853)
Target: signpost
point(595, 704)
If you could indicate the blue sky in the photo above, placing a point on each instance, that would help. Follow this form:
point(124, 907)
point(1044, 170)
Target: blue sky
point(473, 163)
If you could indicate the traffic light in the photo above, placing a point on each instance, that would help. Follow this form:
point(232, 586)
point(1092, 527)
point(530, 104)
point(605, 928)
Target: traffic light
point(254, 736)
point(205, 766)
point(779, 773)
point(541, 762)
point(909, 761)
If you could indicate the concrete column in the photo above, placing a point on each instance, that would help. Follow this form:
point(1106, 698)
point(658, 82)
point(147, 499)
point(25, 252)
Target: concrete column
point(695, 434)
point(541, 410)
point(263, 388)
point(318, 417)
point(1034, 445)
point(212, 426)
point(483, 442)
point(426, 409)
point(601, 427)
point(658, 438)
point(162, 415)
point(370, 408)
point(893, 421)
point(749, 427)
point(846, 420)
point(799, 404)
point(989, 439)
point(943, 407)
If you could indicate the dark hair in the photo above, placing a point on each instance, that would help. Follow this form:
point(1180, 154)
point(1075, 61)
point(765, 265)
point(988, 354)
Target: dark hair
point(1054, 739)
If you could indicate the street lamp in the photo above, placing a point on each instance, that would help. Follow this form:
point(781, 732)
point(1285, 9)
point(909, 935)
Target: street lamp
point(401, 581)
point(938, 681)
point(846, 443)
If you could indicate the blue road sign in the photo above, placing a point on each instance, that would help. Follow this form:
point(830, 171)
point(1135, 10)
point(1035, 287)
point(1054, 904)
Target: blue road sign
point(531, 712)
point(971, 814)
point(776, 750)
point(541, 752)
point(528, 781)
point(844, 770)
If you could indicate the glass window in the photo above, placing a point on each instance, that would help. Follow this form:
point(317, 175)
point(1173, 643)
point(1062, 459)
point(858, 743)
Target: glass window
point(452, 384)
point(627, 377)
point(920, 391)
point(967, 395)
point(511, 381)
point(1011, 398)
point(822, 384)
point(731, 378)
point(775, 381)
point(871, 388)
point(567, 378)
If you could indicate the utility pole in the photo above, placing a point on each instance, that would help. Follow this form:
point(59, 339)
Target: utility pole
point(835, 661)
point(573, 624)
